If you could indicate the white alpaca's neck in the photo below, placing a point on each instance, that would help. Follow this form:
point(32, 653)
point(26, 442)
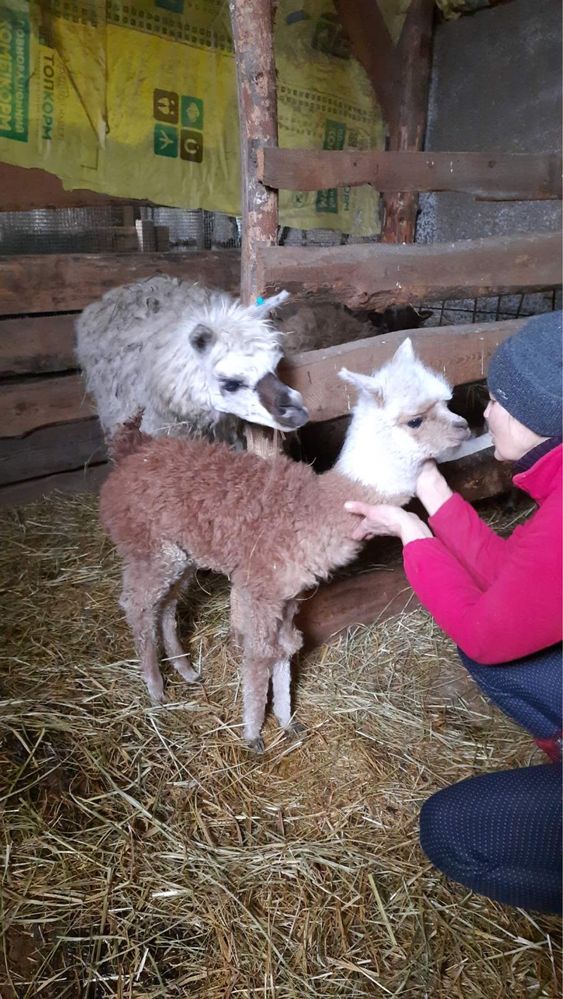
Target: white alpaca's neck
point(376, 458)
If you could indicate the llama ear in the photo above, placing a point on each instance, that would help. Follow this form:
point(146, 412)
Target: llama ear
point(264, 306)
point(201, 338)
point(363, 383)
point(405, 352)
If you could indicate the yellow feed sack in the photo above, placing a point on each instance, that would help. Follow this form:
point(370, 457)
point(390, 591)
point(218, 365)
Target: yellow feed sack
point(139, 100)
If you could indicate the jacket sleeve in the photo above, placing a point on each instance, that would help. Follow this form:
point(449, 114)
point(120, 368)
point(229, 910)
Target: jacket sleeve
point(517, 614)
point(469, 539)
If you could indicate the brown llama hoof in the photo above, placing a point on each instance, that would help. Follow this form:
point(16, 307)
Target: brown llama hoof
point(188, 673)
point(255, 745)
point(295, 731)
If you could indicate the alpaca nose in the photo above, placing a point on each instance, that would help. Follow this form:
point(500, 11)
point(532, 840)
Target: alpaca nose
point(284, 404)
point(461, 424)
point(292, 416)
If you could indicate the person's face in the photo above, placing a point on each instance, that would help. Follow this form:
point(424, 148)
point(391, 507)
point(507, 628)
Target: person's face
point(511, 438)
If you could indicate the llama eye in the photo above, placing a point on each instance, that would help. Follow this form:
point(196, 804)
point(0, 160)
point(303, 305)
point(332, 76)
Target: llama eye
point(232, 385)
point(417, 422)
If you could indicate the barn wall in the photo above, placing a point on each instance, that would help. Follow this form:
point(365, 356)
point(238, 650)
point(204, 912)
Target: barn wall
point(496, 85)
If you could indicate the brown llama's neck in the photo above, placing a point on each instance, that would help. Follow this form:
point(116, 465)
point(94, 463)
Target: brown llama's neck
point(336, 489)
point(333, 525)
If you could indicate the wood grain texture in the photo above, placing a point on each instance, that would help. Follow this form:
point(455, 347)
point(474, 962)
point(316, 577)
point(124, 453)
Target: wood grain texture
point(68, 282)
point(486, 175)
point(36, 345)
point(378, 275)
point(49, 450)
point(87, 480)
point(252, 22)
point(31, 403)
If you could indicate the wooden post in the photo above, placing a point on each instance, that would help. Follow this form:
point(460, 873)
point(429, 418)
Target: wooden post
point(414, 56)
point(373, 47)
point(252, 22)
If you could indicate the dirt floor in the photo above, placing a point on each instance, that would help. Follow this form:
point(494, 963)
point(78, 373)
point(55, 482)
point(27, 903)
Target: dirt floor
point(148, 855)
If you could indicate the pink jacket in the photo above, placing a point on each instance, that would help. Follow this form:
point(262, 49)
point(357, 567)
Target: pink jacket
point(498, 599)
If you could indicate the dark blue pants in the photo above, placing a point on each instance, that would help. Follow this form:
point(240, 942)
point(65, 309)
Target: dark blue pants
point(500, 834)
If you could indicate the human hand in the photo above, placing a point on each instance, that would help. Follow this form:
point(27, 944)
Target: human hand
point(387, 520)
point(431, 487)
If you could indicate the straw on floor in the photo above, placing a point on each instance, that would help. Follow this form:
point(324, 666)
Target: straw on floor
point(148, 855)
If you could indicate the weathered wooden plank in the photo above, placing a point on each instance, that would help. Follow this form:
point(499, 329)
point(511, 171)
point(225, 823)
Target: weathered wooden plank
point(374, 276)
point(487, 175)
point(361, 599)
point(479, 476)
point(373, 47)
point(84, 480)
point(37, 344)
point(50, 450)
point(23, 189)
point(42, 402)
point(256, 84)
point(461, 352)
point(67, 282)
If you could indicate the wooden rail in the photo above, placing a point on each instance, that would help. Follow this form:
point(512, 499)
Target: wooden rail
point(34, 345)
point(518, 176)
point(373, 276)
point(67, 282)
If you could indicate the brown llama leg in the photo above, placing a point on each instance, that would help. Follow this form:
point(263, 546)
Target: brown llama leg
point(290, 640)
point(146, 585)
point(260, 625)
point(174, 651)
point(237, 617)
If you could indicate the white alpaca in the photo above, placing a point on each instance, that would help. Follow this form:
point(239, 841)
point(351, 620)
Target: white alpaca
point(273, 527)
point(189, 357)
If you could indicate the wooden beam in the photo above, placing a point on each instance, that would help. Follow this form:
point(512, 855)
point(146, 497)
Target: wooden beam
point(23, 189)
point(414, 56)
point(375, 275)
point(360, 599)
point(37, 344)
point(479, 476)
point(42, 402)
point(462, 353)
point(83, 480)
point(373, 47)
point(67, 282)
point(51, 449)
point(256, 85)
point(486, 175)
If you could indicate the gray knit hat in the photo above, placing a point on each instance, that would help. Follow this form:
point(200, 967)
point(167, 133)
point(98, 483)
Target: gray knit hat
point(526, 374)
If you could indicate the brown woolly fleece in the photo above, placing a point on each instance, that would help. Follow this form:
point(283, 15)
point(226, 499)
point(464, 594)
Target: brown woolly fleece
point(273, 527)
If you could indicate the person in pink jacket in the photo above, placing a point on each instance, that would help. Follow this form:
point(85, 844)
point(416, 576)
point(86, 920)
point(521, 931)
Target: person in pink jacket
point(500, 600)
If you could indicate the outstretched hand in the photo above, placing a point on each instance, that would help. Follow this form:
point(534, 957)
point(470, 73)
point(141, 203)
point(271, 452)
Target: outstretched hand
point(388, 520)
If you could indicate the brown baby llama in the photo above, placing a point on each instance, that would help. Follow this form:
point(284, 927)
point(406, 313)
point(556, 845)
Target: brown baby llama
point(273, 527)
